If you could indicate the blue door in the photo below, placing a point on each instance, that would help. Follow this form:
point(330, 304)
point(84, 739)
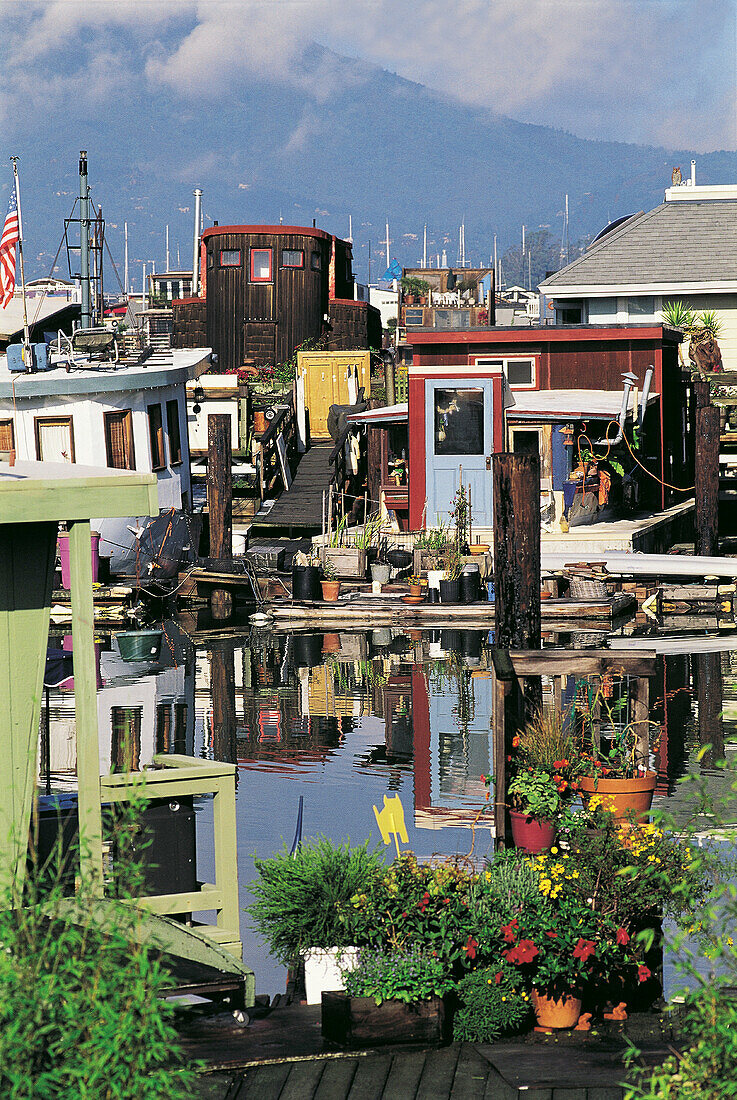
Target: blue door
point(458, 443)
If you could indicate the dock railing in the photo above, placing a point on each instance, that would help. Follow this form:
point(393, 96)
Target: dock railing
point(177, 777)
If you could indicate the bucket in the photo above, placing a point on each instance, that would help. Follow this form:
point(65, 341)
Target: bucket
point(491, 591)
point(307, 650)
point(306, 582)
point(139, 645)
point(469, 587)
point(62, 544)
point(238, 543)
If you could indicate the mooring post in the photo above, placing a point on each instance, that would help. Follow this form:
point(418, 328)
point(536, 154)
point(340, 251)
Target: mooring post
point(220, 504)
point(516, 491)
point(222, 687)
point(516, 550)
point(706, 473)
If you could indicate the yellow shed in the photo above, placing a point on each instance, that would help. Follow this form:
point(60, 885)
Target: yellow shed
point(332, 378)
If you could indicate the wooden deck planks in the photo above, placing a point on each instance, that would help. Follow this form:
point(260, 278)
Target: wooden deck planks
point(370, 1078)
point(336, 1080)
point(301, 506)
point(303, 1080)
point(438, 1073)
point(472, 1071)
point(404, 1076)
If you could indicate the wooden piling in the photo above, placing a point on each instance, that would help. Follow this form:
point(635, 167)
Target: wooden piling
point(706, 480)
point(389, 374)
point(220, 504)
point(517, 550)
point(222, 687)
point(707, 669)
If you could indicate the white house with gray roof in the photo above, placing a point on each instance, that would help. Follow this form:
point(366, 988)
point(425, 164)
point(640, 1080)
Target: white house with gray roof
point(683, 250)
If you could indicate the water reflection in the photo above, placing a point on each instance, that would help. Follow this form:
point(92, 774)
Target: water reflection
point(345, 718)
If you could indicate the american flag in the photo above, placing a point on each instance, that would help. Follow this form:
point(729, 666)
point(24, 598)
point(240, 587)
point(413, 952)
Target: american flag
point(8, 247)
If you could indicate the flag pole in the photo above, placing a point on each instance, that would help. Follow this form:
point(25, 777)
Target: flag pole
point(27, 354)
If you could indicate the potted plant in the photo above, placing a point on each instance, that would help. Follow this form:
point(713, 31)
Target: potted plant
point(347, 552)
point(415, 585)
point(301, 900)
point(536, 802)
point(330, 584)
point(618, 774)
point(390, 997)
point(450, 585)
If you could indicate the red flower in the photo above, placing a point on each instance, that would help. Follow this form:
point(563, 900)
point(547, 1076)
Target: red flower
point(498, 977)
point(423, 904)
point(515, 741)
point(510, 931)
point(643, 973)
point(560, 764)
point(483, 778)
point(552, 935)
point(470, 947)
point(583, 949)
point(623, 937)
point(446, 901)
point(508, 759)
point(524, 952)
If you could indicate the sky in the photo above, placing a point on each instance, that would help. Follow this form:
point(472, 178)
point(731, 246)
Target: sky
point(659, 72)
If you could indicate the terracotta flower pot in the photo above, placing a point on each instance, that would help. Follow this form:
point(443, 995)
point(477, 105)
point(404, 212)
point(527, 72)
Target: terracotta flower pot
point(415, 590)
point(531, 834)
point(620, 796)
point(331, 643)
point(556, 1012)
point(330, 590)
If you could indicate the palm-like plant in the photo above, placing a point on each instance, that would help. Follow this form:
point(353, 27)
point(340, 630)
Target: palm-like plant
point(679, 315)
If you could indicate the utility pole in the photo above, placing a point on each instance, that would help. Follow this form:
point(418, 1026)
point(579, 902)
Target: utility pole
point(84, 239)
point(167, 249)
point(424, 248)
point(196, 252)
point(126, 280)
point(388, 260)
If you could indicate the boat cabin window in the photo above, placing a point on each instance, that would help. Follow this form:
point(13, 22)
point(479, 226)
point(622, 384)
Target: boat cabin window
point(156, 437)
point(413, 317)
point(518, 372)
point(125, 746)
point(292, 257)
point(459, 422)
point(172, 426)
point(119, 440)
point(54, 439)
point(7, 435)
point(261, 265)
point(316, 261)
point(230, 257)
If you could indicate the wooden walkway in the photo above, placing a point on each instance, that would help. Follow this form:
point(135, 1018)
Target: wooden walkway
point(299, 511)
point(462, 1071)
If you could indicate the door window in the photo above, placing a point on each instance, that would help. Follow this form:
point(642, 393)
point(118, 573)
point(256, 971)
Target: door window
point(459, 421)
point(54, 439)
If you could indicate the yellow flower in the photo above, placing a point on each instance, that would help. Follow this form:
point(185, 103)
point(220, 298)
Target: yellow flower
point(730, 941)
point(553, 851)
point(574, 874)
point(545, 885)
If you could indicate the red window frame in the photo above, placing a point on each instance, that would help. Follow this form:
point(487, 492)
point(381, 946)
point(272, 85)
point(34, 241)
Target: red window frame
point(260, 278)
point(230, 252)
point(301, 263)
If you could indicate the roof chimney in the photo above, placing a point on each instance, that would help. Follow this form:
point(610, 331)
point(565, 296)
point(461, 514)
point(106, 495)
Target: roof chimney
point(693, 173)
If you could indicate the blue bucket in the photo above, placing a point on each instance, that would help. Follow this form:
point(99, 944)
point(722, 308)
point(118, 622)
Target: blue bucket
point(490, 590)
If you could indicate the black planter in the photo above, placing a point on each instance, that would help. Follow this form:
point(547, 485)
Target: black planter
point(306, 582)
point(433, 595)
point(471, 642)
point(450, 640)
point(449, 591)
point(469, 587)
point(307, 650)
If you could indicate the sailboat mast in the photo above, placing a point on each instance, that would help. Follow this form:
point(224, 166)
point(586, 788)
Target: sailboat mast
point(84, 239)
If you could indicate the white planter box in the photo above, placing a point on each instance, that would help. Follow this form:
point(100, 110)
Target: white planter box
point(322, 971)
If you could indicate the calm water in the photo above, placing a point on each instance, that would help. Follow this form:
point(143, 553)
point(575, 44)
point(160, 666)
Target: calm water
point(344, 720)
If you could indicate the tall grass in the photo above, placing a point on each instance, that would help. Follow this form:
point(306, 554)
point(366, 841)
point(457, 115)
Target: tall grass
point(548, 737)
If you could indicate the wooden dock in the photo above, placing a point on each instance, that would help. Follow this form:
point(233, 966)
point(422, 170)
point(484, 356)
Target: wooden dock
point(298, 511)
point(372, 611)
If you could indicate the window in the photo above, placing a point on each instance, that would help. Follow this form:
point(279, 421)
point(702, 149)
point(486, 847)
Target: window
point(125, 748)
point(261, 265)
point(54, 439)
point(569, 314)
point(230, 257)
point(452, 318)
point(413, 317)
point(156, 437)
point(316, 261)
point(643, 306)
point(518, 372)
point(292, 257)
point(459, 422)
point(119, 440)
point(7, 435)
point(172, 426)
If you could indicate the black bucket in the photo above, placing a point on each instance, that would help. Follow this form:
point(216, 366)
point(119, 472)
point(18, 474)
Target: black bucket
point(471, 642)
point(306, 582)
point(307, 650)
point(433, 595)
point(469, 587)
point(450, 640)
point(449, 591)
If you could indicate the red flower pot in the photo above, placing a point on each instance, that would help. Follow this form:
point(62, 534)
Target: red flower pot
point(556, 1012)
point(620, 796)
point(530, 833)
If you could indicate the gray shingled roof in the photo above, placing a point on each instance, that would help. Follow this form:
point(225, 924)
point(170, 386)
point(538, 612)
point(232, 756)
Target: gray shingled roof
point(688, 242)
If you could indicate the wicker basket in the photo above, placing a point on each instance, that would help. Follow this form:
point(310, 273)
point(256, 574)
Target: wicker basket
point(586, 588)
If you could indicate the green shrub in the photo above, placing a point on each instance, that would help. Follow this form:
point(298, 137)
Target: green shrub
point(405, 976)
point(492, 1003)
point(301, 900)
point(82, 1013)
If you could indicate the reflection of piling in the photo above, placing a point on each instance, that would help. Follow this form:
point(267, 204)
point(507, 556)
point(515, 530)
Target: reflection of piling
point(220, 504)
point(707, 668)
point(706, 472)
point(222, 687)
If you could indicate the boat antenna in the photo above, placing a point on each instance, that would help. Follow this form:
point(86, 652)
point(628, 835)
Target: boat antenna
point(84, 239)
point(27, 353)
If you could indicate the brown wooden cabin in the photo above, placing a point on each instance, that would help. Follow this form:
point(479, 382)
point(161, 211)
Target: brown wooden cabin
point(267, 289)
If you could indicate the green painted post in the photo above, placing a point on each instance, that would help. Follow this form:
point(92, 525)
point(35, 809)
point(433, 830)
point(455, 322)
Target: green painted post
point(226, 865)
point(26, 573)
point(85, 701)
